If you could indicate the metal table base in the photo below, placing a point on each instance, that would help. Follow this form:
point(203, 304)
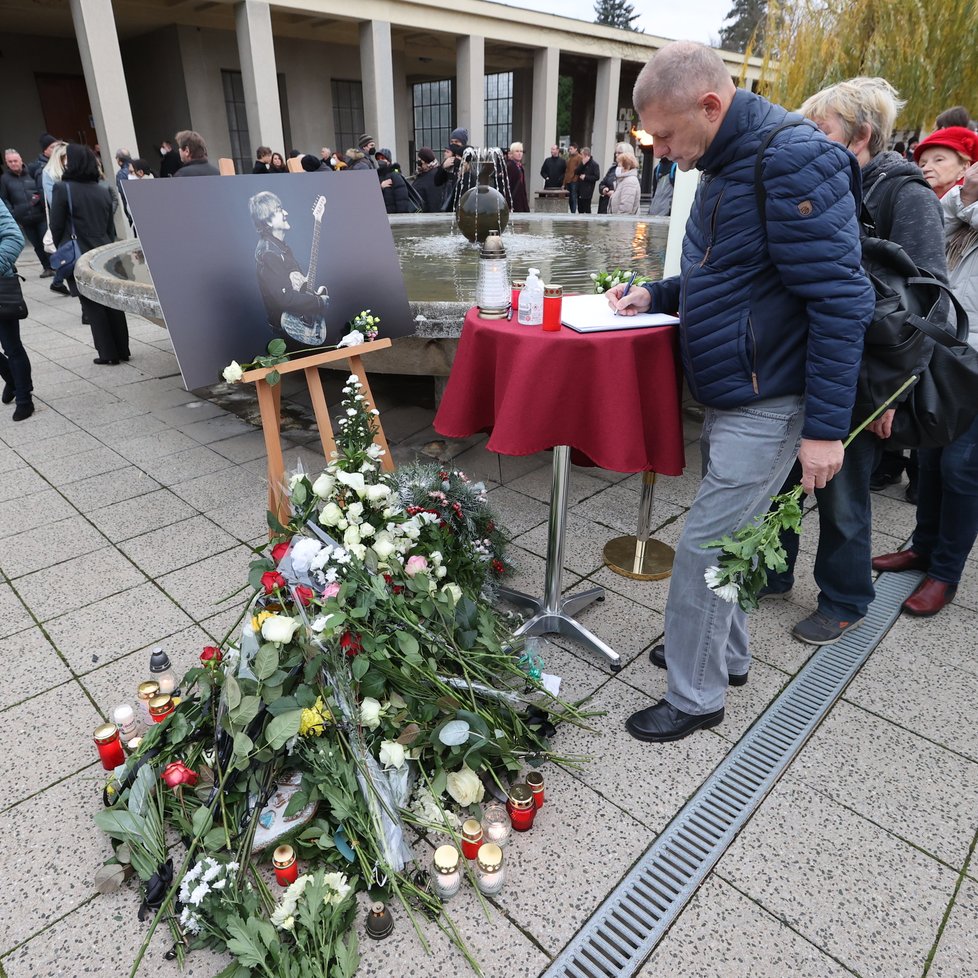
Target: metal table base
point(641, 557)
point(553, 613)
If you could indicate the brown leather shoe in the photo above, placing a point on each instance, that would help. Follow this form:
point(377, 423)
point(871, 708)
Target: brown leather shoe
point(900, 561)
point(929, 598)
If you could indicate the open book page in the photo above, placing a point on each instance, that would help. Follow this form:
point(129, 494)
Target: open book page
point(592, 314)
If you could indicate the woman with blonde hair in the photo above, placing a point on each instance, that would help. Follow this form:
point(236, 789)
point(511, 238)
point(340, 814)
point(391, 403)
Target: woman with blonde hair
point(607, 186)
point(628, 194)
point(860, 114)
point(50, 175)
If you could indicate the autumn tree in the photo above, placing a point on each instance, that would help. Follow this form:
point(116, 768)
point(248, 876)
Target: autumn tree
point(743, 25)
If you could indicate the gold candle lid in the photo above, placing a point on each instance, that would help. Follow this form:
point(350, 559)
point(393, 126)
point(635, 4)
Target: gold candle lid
point(105, 732)
point(160, 704)
point(148, 689)
point(521, 797)
point(471, 830)
point(283, 857)
point(535, 780)
point(446, 859)
point(490, 857)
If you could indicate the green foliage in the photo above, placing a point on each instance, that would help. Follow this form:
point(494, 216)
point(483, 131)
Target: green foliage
point(608, 280)
point(744, 26)
point(616, 13)
point(565, 100)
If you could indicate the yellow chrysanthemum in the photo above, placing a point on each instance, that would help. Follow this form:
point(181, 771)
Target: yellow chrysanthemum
point(313, 721)
point(256, 620)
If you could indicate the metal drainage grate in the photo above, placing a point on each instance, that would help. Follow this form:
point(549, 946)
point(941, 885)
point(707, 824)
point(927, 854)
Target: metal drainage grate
point(637, 913)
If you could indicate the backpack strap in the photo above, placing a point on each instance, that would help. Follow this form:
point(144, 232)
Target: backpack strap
point(882, 225)
point(957, 339)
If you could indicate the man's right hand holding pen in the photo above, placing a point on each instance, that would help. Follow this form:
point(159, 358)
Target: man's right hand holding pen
point(637, 300)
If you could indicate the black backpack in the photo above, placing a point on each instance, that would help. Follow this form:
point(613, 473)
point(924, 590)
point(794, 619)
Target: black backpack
point(910, 317)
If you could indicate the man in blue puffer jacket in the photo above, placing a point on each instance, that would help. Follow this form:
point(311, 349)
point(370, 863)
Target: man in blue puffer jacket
point(771, 336)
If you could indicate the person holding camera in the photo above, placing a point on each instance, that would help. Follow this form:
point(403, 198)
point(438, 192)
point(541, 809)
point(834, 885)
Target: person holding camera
point(454, 174)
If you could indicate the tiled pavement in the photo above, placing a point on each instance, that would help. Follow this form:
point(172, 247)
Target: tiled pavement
point(127, 509)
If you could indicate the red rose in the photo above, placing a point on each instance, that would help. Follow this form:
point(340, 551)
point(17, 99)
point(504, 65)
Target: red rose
point(304, 594)
point(211, 655)
point(271, 580)
point(178, 773)
point(498, 567)
point(350, 644)
point(279, 551)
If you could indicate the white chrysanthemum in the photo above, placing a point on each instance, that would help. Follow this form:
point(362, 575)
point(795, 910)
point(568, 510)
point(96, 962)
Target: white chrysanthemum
point(712, 576)
point(728, 592)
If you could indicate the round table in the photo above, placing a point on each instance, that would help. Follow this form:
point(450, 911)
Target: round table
point(610, 399)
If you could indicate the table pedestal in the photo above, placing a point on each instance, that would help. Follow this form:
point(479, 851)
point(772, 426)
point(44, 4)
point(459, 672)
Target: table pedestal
point(553, 612)
point(640, 557)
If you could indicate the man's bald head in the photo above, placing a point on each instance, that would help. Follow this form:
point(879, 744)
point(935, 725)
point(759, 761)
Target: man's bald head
point(679, 74)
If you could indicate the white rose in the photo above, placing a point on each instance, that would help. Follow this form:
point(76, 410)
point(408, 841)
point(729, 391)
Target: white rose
point(331, 515)
point(323, 486)
point(383, 545)
point(303, 553)
point(354, 512)
point(378, 493)
point(233, 372)
point(440, 572)
point(366, 530)
point(358, 550)
point(351, 536)
point(374, 451)
point(278, 628)
point(453, 591)
point(295, 479)
point(391, 754)
point(353, 338)
point(319, 625)
point(465, 787)
point(370, 713)
point(354, 480)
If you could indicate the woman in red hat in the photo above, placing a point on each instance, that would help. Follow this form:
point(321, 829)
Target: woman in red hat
point(947, 507)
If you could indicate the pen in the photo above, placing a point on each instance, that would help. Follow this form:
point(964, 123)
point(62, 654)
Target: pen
point(627, 287)
point(509, 315)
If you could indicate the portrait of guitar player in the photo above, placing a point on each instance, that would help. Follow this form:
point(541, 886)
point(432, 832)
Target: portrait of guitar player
point(295, 304)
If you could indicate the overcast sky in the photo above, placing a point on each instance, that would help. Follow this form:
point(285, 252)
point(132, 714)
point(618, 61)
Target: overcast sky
point(695, 20)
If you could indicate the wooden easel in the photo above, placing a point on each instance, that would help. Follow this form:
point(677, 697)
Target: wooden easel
point(270, 405)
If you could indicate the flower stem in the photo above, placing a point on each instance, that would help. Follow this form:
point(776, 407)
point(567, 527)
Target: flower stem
point(881, 409)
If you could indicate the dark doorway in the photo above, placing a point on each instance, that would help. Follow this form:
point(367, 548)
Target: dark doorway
point(67, 111)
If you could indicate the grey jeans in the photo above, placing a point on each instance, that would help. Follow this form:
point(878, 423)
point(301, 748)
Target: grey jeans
point(747, 453)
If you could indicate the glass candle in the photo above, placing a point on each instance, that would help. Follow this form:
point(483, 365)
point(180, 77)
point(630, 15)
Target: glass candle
point(517, 288)
point(285, 865)
point(521, 807)
point(144, 694)
point(552, 301)
point(489, 875)
point(109, 746)
point(124, 717)
point(534, 781)
point(495, 824)
point(447, 877)
point(380, 923)
point(162, 671)
point(160, 707)
point(471, 838)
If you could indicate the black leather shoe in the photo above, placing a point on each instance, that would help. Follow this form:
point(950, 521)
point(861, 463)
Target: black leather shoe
point(8, 393)
point(102, 361)
point(663, 722)
point(657, 656)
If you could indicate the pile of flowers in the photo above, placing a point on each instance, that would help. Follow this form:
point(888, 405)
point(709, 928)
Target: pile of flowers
point(371, 673)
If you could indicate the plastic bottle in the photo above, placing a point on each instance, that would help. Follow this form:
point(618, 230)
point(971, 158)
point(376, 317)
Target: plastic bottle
point(531, 300)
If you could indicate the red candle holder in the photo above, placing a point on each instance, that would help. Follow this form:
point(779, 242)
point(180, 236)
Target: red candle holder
point(521, 807)
point(471, 838)
point(286, 865)
point(109, 746)
point(160, 707)
point(517, 289)
point(553, 297)
point(534, 781)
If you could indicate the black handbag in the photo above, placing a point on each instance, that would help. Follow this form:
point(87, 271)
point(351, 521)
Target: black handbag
point(68, 252)
point(943, 404)
point(12, 304)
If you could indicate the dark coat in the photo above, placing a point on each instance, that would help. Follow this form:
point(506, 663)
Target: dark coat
point(170, 163)
point(396, 198)
point(432, 195)
point(91, 207)
point(552, 171)
point(518, 201)
point(779, 309)
point(274, 264)
point(198, 168)
point(449, 178)
point(19, 192)
point(260, 167)
point(592, 174)
point(607, 181)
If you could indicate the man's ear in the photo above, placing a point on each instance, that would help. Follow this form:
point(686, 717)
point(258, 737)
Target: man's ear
point(712, 105)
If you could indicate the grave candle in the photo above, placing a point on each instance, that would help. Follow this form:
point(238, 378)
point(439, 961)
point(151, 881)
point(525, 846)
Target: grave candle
point(109, 746)
point(285, 864)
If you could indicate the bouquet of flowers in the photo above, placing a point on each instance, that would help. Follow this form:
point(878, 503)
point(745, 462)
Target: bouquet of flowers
point(608, 280)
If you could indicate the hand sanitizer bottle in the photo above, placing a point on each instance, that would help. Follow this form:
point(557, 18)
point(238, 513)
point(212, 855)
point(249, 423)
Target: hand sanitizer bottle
point(531, 300)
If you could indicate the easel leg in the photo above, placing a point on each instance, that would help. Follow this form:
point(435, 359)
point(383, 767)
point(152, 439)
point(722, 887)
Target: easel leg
point(356, 367)
point(269, 402)
point(315, 384)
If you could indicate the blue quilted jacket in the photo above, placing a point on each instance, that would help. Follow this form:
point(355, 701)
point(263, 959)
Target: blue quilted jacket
point(776, 311)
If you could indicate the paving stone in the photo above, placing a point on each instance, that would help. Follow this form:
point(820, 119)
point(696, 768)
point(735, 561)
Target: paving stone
point(59, 447)
point(132, 517)
point(539, 484)
point(47, 544)
point(47, 506)
point(156, 446)
point(185, 465)
point(200, 588)
point(177, 545)
point(617, 508)
point(215, 428)
point(241, 448)
point(957, 953)
point(904, 783)
point(45, 423)
point(105, 630)
point(14, 617)
point(213, 491)
point(31, 666)
point(21, 483)
point(522, 512)
point(864, 897)
point(62, 470)
point(649, 594)
point(722, 933)
point(583, 543)
point(112, 487)
point(242, 517)
point(76, 583)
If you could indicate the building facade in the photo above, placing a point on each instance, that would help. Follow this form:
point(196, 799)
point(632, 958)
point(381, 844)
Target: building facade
point(312, 73)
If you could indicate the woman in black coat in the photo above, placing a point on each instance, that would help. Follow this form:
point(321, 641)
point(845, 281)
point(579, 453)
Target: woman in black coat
point(94, 226)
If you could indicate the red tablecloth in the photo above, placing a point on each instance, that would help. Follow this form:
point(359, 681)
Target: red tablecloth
point(613, 397)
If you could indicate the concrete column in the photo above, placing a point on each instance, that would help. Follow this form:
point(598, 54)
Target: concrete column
point(98, 47)
point(470, 76)
point(256, 52)
point(606, 112)
point(682, 203)
point(377, 74)
point(546, 64)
